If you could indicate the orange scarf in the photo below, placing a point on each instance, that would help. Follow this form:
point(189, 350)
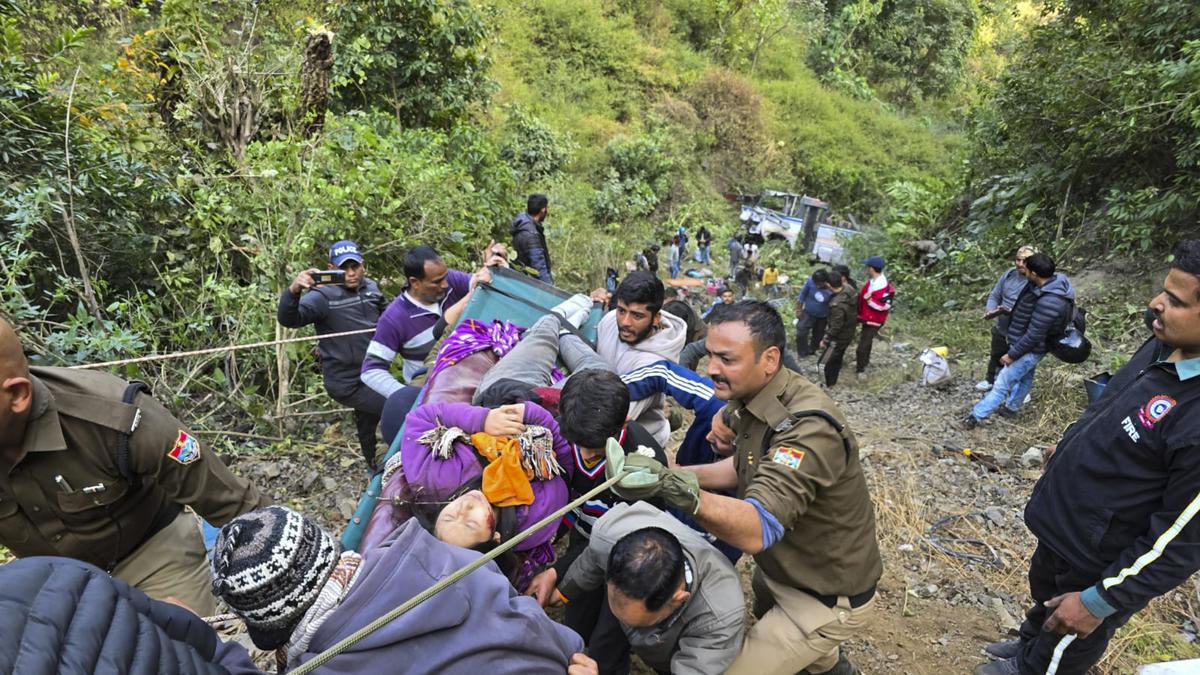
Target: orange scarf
point(505, 482)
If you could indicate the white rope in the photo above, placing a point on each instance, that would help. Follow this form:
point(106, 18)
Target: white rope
point(218, 350)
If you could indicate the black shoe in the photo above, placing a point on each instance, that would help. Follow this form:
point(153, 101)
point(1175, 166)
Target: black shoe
point(1005, 667)
point(1003, 650)
point(843, 667)
point(1007, 412)
point(967, 422)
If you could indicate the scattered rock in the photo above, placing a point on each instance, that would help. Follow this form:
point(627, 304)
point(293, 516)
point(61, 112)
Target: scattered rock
point(1031, 458)
point(271, 470)
point(329, 483)
point(994, 514)
point(1004, 619)
point(346, 507)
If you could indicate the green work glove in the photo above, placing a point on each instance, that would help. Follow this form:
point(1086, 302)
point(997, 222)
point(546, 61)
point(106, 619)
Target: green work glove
point(640, 473)
point(647, 478)
point(680, 488)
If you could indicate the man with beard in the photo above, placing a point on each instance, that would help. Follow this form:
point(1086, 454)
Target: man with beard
point(1115, 511)
point(637, 333)
point(529, 238)
point(802, 508)
point(413, 321)
point(353, 304)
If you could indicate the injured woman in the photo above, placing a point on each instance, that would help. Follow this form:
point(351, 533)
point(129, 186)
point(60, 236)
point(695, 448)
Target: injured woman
point(477, 476)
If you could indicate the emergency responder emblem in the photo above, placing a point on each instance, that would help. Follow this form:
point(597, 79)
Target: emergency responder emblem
point(186, 450)
point(789, 457)
point(1155, 409)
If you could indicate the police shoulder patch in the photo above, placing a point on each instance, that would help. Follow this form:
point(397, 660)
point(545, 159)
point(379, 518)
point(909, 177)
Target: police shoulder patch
point(186, 450)
point(789, 457)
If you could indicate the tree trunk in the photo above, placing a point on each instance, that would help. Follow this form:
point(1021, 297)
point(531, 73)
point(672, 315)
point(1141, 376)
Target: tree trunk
point(314, 81)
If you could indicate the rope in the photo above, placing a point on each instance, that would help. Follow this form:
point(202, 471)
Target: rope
point(218, 350)
point(359, 635)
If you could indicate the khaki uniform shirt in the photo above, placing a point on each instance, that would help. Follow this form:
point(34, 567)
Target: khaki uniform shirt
point(703, 636)
point(92, 513)
point(807, 475)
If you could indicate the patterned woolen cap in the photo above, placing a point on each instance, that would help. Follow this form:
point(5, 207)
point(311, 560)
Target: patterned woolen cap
point(269, 565)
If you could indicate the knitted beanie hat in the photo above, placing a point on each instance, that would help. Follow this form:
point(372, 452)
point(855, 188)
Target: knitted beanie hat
point(269, 565)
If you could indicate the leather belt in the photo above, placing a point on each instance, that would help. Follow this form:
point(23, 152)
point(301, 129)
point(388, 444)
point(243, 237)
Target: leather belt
point(856, 601)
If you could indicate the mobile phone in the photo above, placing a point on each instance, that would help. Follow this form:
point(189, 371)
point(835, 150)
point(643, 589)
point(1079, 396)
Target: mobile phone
point(328, 277)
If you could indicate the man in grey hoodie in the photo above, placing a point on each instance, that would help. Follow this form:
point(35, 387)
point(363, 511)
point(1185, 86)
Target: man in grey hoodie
point(1000, 304)
point(529, 237)
point(637, 333)
point(1040, 314)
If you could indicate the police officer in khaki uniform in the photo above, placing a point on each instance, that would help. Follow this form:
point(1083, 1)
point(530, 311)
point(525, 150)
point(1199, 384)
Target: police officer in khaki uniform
point(94, 469)
point(802, 508)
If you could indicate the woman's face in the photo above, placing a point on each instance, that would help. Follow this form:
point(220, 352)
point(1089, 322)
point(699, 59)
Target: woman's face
point(467, 521)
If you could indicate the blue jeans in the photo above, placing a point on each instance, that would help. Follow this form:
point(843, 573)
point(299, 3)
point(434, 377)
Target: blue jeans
point(704, 255)
point(674, 270)
point(1011, 387)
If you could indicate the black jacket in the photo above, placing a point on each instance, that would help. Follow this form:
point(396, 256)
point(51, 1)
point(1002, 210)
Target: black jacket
point(529, 239)
point(1041, 312)
point(1119, 497)
point(59, 615)
point(336, 309)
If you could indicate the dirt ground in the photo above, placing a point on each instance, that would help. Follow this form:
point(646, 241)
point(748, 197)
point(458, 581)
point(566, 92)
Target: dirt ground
point(937, 607)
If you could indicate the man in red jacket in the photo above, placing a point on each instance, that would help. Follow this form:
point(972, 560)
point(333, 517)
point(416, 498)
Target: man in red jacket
point(874, 304)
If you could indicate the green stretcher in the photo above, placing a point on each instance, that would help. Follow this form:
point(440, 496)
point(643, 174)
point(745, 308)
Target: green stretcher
point(511, 296)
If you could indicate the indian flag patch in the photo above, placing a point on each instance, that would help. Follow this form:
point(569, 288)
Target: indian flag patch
point(789, 457)
point(186, 450)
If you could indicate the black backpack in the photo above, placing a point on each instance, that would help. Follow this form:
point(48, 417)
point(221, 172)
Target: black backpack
point(1072, 345)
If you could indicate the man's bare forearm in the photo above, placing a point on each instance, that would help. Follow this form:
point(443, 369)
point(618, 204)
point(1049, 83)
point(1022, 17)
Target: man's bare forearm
point(732, 520)
point(716, 476)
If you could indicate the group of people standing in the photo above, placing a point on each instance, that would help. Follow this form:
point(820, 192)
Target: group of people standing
point(829, 310)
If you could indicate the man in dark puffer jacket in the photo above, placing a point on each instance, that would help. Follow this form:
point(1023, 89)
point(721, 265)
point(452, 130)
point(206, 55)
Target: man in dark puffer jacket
point(60, 615)
point(1041, 314)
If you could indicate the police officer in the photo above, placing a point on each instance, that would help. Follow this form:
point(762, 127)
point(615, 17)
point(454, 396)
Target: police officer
point(93, 468)
point(354, 303)
point(802, 508)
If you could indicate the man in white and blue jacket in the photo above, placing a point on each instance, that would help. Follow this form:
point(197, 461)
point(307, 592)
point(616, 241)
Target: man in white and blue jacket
point(1116, 513)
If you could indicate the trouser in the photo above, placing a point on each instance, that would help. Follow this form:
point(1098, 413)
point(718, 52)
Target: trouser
point(368, 407)
point(1051, 653)
point(704, 254)
point(999, 348)
point(809, 332)
point(1011, 386)
point(796, 631)
point(772, 290)
point(172, 564)
point(532, 359)
point(866, 339)
point(733, 265)
point(832, 361)
point(590, 617)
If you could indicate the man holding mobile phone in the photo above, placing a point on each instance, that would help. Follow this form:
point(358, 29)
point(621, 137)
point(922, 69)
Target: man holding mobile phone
point(334, 307)
point(1000, 303)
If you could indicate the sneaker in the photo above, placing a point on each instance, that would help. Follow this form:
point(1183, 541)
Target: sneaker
point(1005, 667)
point(983, 385)
point(861, 377)
point(967, 422)
point(1008, 649)
point(574, 309)
point(843, 667)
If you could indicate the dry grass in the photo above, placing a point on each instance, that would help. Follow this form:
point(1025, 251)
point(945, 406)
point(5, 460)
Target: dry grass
point(903, 502)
